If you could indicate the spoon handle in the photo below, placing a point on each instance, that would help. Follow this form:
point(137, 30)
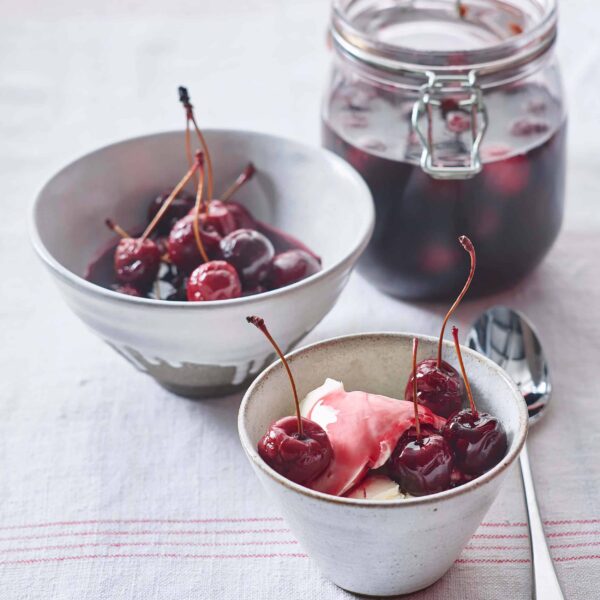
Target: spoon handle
point(545, 582)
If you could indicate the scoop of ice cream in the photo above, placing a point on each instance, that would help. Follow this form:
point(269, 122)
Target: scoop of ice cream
point(363, 430)
point(377, 486)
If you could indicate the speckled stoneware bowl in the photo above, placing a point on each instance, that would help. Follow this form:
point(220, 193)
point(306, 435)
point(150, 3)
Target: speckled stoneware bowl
point(371, 547)
point(203, 349)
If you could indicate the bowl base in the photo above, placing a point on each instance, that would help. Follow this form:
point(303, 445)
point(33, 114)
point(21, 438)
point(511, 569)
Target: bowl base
point(202, 392)
point(192, 380)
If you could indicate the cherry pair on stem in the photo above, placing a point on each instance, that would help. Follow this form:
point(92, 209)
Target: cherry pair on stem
point(426, 461)
point(137, 260)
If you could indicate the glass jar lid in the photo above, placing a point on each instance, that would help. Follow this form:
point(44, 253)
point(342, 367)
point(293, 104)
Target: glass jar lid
point(415, 36)
point(448, 51)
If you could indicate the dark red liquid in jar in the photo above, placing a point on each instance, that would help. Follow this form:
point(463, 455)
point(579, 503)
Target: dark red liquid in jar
point(450, 55)
point(512, 210)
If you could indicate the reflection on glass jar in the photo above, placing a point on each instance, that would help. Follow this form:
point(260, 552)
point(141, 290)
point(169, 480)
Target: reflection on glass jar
point(453, 113)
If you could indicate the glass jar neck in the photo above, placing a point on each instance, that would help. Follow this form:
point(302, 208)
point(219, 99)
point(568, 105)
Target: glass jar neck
point(359, 36)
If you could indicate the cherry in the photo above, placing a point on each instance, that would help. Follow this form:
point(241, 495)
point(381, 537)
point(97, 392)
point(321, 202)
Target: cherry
point(181, 206)
point(478, 439)
point(458, 121)
point(250, 252)
point(525, 127)
point(295, 447)
point(137, 262)
point(241, 215)
point(422, 462)
point(183, 249)
point(300, 459)
point(291, 266)
point(440, 386)
point(218, 217)
point(214, 280)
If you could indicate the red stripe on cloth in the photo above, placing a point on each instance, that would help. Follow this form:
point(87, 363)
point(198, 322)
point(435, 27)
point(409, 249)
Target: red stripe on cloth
point(573, 521)
point(31, 561)
point(143, 532)
point(125, 544)
point(504, 524)
point(500, 536)
point(477, 548)
point(142, 521)
point(519, 536)
point(492, 561)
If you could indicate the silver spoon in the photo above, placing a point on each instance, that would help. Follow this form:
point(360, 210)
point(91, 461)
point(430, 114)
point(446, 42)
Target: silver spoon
point(506, 337)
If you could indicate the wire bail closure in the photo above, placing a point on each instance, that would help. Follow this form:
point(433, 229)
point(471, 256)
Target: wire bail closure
point(431, 94)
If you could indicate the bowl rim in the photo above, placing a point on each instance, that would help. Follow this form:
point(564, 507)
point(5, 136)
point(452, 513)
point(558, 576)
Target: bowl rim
point(482, 480)
point(78, 282)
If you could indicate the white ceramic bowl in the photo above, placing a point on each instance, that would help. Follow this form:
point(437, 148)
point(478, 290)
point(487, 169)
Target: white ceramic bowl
point(203, 349)
point(375, 547)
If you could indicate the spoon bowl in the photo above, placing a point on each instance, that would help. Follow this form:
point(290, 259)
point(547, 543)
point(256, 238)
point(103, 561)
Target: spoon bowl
point(508, 338)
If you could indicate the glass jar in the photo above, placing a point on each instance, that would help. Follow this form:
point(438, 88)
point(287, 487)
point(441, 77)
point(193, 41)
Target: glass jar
point(453, 113)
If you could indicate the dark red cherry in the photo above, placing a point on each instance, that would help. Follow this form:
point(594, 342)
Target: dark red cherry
point(440, 389)
point(250, 252)
point(137, 262)
point(421, 467)
point(214, 280)
point(183, 250)
point(181, 206)
point(242, 216)
point(299, 458)
point(458, 121)
point(478, 440)
point(291, 266)
point(295, 447)
point(421, 462)
point(525, 127)
point(219, 218)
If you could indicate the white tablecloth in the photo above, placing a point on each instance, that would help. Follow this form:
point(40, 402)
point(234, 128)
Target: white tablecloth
point(110, 487)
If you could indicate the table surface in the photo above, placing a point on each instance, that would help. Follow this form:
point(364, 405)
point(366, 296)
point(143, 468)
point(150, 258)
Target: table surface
point(113, 488)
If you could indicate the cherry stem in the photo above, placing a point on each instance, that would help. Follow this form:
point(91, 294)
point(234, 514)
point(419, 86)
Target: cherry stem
point(172, 196)
point(414, 373)
point(116, 228)
point(467, 244)
point(197, 208)
point(260, 324)
point(463, 370)
point(184, 98)
point(243, 177)
point(188, 145)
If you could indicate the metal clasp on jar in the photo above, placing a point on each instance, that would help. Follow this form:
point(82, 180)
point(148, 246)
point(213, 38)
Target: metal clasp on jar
point(470, 98)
